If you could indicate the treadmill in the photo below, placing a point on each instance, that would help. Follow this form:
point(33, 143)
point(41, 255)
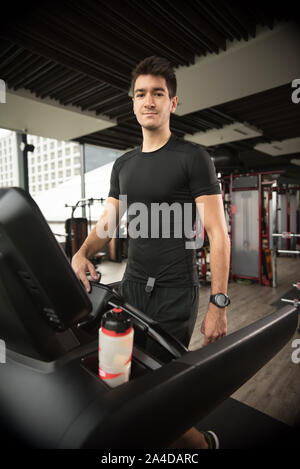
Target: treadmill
point(50, 393)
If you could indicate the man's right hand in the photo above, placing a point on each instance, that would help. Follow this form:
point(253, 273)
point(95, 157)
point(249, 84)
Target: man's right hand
point(81, 266)
point(96, 241)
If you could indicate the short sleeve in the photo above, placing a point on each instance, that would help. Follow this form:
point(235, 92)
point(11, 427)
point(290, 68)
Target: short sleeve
point(202, 174)
point(114, 190)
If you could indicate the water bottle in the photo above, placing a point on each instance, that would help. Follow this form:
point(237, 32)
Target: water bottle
point(115, 347)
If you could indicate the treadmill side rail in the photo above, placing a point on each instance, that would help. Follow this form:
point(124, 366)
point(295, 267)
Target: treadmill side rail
point(155, 409)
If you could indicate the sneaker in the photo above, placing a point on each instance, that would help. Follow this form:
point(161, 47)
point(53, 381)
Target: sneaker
point(212, 440)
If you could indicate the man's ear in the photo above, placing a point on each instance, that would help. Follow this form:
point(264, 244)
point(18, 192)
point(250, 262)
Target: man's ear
point(174, 104)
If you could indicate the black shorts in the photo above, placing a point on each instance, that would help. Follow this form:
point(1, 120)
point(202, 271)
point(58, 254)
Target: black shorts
point(176, 309)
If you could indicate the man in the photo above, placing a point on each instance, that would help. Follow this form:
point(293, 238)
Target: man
point(161, 276)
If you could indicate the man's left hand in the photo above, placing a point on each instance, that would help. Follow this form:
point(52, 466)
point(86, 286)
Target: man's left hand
point(214, 325)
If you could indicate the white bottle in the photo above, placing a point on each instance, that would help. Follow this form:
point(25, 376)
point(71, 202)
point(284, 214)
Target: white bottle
point(115, 347)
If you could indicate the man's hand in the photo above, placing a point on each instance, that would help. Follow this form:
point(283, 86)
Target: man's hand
point(81, 265)
point(214, 325)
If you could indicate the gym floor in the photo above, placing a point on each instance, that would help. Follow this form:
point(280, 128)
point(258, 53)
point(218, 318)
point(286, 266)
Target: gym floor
point(275, 389)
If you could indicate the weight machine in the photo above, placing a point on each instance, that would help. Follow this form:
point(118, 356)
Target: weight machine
point(77, 227)
point(295, 301)
point(255, 206)
point(276, 251)
point(284, 238)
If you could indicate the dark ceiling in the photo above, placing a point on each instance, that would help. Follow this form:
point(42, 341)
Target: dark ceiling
point(81, 53)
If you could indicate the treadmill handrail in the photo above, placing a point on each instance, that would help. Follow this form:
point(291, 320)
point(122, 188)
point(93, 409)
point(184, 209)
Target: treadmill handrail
point(193, 385)
point(112, 298)
point(154, 330)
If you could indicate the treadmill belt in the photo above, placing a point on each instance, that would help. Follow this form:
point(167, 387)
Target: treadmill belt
point(239, 426)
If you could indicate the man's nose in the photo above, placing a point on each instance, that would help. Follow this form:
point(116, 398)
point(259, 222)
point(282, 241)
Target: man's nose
point(149, 101)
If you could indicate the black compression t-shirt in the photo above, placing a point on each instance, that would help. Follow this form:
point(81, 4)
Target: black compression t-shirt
point(176, 173)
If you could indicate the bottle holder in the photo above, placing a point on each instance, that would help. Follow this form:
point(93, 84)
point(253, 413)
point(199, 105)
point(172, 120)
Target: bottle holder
point(141, 364)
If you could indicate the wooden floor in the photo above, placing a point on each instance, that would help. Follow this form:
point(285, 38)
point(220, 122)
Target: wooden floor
point(275, 389)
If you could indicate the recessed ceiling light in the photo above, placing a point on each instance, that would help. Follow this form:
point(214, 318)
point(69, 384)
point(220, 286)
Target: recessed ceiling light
point(229, 133)
point(288, 146)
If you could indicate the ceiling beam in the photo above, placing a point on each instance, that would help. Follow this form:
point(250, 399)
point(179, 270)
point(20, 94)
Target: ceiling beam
point(269, 60)
point(22, 111)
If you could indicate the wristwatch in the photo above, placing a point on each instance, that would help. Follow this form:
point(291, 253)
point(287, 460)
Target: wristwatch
point(220, 299)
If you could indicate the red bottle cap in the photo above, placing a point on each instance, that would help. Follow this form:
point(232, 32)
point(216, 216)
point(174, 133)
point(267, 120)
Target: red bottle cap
point(117, 310)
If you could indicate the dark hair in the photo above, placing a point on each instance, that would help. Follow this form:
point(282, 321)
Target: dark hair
point(157, 66)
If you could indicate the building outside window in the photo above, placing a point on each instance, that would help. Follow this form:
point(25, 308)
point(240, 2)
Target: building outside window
point(51, 164)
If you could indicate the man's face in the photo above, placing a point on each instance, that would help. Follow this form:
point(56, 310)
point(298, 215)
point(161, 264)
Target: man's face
point(151, 102)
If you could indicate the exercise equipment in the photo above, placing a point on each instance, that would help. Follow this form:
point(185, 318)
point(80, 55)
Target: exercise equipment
point(77, 228)
point(203, 265)
point(248, 257)
point(294, 301)
point(286, 236)
point(76, 232)
point(83, 203)
point(51, 396)
point(275, 251)
point(257, 209)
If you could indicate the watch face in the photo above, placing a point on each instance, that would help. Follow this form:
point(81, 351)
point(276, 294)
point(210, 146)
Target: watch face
point(221, 300)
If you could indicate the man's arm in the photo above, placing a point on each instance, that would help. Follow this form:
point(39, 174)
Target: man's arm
point(98, 238)
point(210, 207)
